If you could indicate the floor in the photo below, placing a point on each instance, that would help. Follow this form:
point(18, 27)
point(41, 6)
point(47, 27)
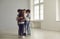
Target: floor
point(35, 34)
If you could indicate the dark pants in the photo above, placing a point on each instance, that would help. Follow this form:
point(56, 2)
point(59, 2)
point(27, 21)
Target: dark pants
point(21, 29)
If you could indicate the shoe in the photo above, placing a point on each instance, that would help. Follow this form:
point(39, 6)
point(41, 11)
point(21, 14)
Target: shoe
point(24, 34)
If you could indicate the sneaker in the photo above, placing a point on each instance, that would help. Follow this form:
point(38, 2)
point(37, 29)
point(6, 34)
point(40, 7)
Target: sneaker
point(24, 34)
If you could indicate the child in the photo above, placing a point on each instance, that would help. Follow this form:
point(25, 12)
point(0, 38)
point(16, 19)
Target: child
point(20, 20)
point(28, 21)
point(24, 22)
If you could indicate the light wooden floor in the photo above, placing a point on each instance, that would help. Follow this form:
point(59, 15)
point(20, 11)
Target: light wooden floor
point(36, 34)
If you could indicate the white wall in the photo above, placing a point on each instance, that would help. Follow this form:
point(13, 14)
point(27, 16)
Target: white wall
point(35, 24)
point(8, 12)
point(49, 22)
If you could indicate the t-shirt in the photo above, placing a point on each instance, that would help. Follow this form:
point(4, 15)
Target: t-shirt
point(27, 17)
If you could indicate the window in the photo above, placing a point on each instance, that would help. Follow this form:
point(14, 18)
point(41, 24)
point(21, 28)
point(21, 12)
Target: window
point(57, 11)
point(36, 12)
point(41, 12)
point(36, 1)
point(41, 1)
point(38, 9)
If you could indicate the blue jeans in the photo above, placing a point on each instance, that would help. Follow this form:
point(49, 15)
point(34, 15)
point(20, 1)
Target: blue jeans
point(28, 28)
point(20, 31)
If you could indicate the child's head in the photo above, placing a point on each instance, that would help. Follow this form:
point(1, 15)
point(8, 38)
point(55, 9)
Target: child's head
point(27, 11)
point(24, 10)
point(19, 10)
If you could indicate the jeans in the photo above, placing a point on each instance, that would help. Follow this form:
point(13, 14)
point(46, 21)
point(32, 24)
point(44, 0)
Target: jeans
point(21, 29)
point(28, 27)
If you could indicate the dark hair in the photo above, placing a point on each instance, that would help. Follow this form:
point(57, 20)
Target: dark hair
point(28, 10)
point(19, 10)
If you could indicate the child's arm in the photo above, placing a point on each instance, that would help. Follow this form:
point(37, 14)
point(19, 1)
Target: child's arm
point(17, 18)
point(29, 16)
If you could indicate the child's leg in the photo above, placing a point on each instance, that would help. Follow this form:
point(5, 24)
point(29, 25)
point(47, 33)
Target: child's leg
point(24, 29)
point(28, 28)
point(21, 29)
point(19, 32)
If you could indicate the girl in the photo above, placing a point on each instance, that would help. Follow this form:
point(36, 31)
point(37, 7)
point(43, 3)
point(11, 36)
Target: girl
point(20, 20)
point(28, 21)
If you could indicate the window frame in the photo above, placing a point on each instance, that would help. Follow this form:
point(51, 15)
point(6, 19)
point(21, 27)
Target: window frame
point(39, 9)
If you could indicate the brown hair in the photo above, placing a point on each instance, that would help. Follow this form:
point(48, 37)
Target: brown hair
point(28, 10)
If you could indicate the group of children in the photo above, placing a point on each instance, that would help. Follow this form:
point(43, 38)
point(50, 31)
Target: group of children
point(23, 21)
